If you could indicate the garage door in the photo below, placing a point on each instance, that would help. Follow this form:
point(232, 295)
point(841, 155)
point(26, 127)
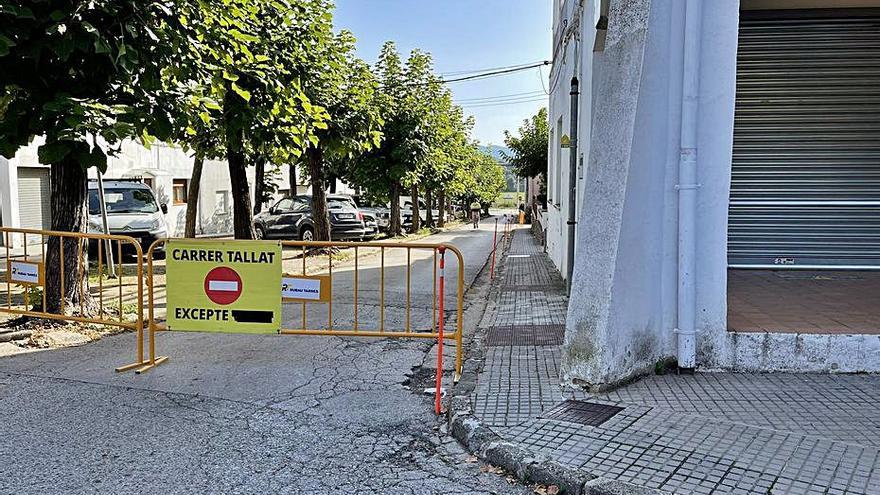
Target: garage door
point(33, 198)
point(805, 186)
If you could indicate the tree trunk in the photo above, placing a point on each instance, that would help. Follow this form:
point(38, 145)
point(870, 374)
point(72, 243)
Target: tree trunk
point(441, 210)
point(68, 199)
point(292, 171)
point(429, 214)
point(242, 211)
point(416, 211)
point(320, 215)
point(259, 183)
point(394, 227)
point(192, 196)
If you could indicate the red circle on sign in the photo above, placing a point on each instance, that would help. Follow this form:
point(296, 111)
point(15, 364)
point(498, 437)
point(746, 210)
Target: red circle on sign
point(223, 285)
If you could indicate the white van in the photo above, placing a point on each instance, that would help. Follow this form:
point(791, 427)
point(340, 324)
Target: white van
point(132, 210)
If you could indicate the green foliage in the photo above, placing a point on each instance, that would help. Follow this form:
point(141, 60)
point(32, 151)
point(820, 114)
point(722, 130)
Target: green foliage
point(402, 147)
point(239, 72)
point(77, 71)
point(529, 149)
point(482, 178)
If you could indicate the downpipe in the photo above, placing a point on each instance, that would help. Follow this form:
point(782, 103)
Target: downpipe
point(572, 182)
point(687, 189)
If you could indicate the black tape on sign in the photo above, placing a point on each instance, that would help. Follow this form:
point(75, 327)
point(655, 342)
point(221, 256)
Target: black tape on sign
point(244, 316)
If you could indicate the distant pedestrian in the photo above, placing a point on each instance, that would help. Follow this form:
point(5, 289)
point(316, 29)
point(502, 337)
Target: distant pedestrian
point(475, 213)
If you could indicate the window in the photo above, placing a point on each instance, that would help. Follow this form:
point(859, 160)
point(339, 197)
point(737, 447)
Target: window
point(181, 186)
point(120, 200)
point(149, 182)
point(222, 198)
point(291, 205)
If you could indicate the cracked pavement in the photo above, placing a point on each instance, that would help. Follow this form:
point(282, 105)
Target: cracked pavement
point(234, 414)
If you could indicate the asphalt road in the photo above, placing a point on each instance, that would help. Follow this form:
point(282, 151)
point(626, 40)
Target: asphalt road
point(238, 413)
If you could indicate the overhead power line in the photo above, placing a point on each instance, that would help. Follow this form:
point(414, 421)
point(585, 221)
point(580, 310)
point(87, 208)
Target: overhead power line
point(472, 71)
point(498, 97)
point(495, 73)
point(513, 102)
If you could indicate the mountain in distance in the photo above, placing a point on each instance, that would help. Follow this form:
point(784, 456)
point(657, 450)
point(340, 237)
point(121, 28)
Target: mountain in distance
point(496, 151)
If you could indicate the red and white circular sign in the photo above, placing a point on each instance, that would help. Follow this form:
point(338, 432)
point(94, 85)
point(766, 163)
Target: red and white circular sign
point(223, 285)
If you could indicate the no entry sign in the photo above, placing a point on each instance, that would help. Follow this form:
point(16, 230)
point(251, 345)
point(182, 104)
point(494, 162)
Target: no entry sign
point(224, 286)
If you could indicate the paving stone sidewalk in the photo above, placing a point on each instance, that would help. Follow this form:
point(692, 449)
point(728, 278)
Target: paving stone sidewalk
point(707, 433)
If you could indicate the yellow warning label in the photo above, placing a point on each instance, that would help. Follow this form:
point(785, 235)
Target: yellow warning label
point(224, 286)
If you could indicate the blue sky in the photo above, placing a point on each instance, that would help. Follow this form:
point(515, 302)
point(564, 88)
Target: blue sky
point(464, 35)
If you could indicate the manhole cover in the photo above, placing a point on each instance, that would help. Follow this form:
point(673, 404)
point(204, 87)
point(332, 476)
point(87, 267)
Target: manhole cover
point(582, 412)
point(525, 335)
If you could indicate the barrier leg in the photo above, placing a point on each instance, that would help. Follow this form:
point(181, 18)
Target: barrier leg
point(494, 248)
point(437, 406)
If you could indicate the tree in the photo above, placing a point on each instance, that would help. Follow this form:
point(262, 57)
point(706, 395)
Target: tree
point(381, 169)
point(481, 178)
point(81, 75)
point(529, 149)
point(247, 57)
point(344, 86)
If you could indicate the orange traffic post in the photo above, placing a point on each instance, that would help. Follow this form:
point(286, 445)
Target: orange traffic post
point(494, 248)
point(438, 391)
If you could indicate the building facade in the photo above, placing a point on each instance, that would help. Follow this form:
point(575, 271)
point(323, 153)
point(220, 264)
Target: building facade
point(24, 187)
point(727, 205)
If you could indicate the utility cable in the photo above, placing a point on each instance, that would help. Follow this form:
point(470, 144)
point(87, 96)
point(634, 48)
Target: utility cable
point(490, 98)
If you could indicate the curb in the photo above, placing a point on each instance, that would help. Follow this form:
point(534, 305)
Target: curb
point(480, 440)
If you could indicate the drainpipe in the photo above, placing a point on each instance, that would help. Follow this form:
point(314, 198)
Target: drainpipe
point(572, 179)
point(687, 189)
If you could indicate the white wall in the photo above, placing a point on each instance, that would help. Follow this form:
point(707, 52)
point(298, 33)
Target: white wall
point(9, 212)
point(163, 164)
point(621, 321)
point(575, 56)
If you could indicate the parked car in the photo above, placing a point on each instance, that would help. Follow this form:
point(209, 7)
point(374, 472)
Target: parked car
point(378, 210)
point(291, 218)
point(371, 225)
point(406, 211)
point(132, 210)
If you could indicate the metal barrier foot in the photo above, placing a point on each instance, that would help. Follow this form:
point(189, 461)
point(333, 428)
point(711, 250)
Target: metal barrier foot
point(129, 367)
point(149, 366)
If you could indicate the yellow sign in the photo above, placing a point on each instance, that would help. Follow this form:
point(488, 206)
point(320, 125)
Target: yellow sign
point(306, 288)
point(24, 272)
point(224, 286)
point(565, 141)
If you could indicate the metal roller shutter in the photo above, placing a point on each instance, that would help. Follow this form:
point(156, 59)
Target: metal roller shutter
point(805, 184)
point(33, 199)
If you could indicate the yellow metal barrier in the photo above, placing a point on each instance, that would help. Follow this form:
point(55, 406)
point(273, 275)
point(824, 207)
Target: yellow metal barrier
point(27, 270)
point(358, 327)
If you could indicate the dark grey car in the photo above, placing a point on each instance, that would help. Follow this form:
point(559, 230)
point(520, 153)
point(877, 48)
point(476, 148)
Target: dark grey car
point(291, 218)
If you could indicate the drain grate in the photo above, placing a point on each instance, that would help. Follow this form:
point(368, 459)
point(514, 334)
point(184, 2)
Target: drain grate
point(525, 335)
point(582, 412)
point(510, 287)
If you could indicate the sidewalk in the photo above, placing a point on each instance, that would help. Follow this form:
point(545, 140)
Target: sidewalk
point(706, 433)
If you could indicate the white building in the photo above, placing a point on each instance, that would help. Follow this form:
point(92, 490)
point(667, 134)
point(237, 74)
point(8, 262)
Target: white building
point(24, 187)
point(728, 184)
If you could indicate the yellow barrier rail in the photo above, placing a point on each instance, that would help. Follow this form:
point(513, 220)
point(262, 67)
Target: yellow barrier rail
point(358, 328)
point(28, 270)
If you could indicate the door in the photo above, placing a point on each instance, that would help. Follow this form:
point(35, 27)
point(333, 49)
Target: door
point(284, 217)
point(805, 184)
point(33, 200)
